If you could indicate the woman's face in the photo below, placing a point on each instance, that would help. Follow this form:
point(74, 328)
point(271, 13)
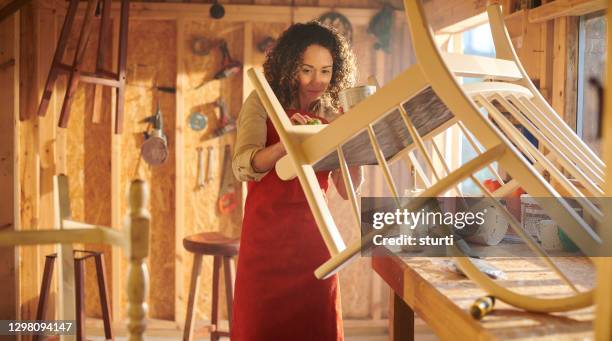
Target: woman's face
point(314, 74)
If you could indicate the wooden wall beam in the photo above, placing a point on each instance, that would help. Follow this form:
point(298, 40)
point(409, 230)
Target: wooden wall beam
point(29, 166)
point(9, 210)
point(564, 69)
point(236, 13)
point(443, 13)
point(11, 8)
point(117, 197)
point(179, 188)
point(47, 138)
point(564, 8)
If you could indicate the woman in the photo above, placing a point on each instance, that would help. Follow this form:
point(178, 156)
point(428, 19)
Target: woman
point(277, 296)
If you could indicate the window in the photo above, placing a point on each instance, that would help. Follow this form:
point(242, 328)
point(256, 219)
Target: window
point(476, 41)
point(591, 65)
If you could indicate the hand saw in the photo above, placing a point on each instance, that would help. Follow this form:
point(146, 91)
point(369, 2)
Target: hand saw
point(227, 189)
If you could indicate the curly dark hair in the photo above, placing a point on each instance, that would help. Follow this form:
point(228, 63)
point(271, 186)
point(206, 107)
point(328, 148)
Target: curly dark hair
point(283, 61)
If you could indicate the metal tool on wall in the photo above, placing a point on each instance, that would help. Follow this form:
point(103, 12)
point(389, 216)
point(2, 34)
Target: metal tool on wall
point(339, 22)
point(201, 179)
point(229, 66)
point(201, 46)
point(154, 149)
point(210, 164)
point(227, 191)
point(226, 122)
point(265, 44)
point(217, 11)
point(197, 121)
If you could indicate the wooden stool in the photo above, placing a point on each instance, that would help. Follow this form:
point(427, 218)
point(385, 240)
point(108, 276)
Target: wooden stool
point(76, 74)
point(79, 282)
point(222, 248)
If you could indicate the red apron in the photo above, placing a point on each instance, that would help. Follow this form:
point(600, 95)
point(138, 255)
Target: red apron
point(277, 296)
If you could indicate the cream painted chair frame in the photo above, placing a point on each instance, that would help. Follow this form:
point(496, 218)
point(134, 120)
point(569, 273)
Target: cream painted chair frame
point(508, 85)
point(133, 240)
point(307, 145)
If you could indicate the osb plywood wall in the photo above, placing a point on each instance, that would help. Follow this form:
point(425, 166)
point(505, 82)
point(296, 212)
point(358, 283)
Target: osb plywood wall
point(152, 61)
point(201, 93)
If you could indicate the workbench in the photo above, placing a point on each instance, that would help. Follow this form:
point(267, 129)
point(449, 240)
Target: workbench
point(442, 298)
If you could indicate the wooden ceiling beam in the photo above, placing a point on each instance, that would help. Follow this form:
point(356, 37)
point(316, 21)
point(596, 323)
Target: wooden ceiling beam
point(564, 8)
point(11, 8)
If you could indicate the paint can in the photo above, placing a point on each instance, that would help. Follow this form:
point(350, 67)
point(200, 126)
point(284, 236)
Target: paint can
point(351, 96)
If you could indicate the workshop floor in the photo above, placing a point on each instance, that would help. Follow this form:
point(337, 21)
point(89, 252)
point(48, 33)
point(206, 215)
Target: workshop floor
point(163, 331)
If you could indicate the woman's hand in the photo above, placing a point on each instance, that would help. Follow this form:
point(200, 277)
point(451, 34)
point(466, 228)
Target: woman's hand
point(266, 158)
point(302, 119)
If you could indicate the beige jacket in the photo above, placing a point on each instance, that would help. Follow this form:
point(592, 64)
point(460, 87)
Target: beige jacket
point(251, 136)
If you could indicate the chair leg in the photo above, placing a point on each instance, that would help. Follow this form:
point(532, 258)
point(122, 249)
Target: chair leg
point(122, 63)
point(44, 290)
point(57, 58)
point(79, 278)
point(229, 288)
point(214, 315)
point(103, 290)
point(194, 289)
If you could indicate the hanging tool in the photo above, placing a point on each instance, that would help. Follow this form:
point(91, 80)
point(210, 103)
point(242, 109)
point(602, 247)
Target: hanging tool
point(226, 122)
point(380, 27)
point(229, 67)
point(197, 121)
point(338, 22)
point(210, 163)
point(217, 11)
point(265, 44)
point(201, 46)
point(155, 87)
point(154, 150)
point(201, 179)
point(227, 190)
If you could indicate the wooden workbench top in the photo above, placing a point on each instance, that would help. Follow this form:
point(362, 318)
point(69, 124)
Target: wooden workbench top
point(442, 297)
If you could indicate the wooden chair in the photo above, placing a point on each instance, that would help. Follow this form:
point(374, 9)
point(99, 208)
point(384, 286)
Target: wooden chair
point(223, 249)
point(101, 77)
point(133, 239)
point(79, 278)
point(420, 103)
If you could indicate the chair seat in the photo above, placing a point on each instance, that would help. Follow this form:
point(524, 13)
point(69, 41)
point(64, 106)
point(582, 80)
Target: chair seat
point(211, 243)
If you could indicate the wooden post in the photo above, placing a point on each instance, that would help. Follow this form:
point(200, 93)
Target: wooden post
point(138, 277)
point(560, 68)
point(9, 210)
point(47, 135)
point(603, 295)
point(66, 309)
point(29, 166)
point(179, 180)
point(117, 195)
